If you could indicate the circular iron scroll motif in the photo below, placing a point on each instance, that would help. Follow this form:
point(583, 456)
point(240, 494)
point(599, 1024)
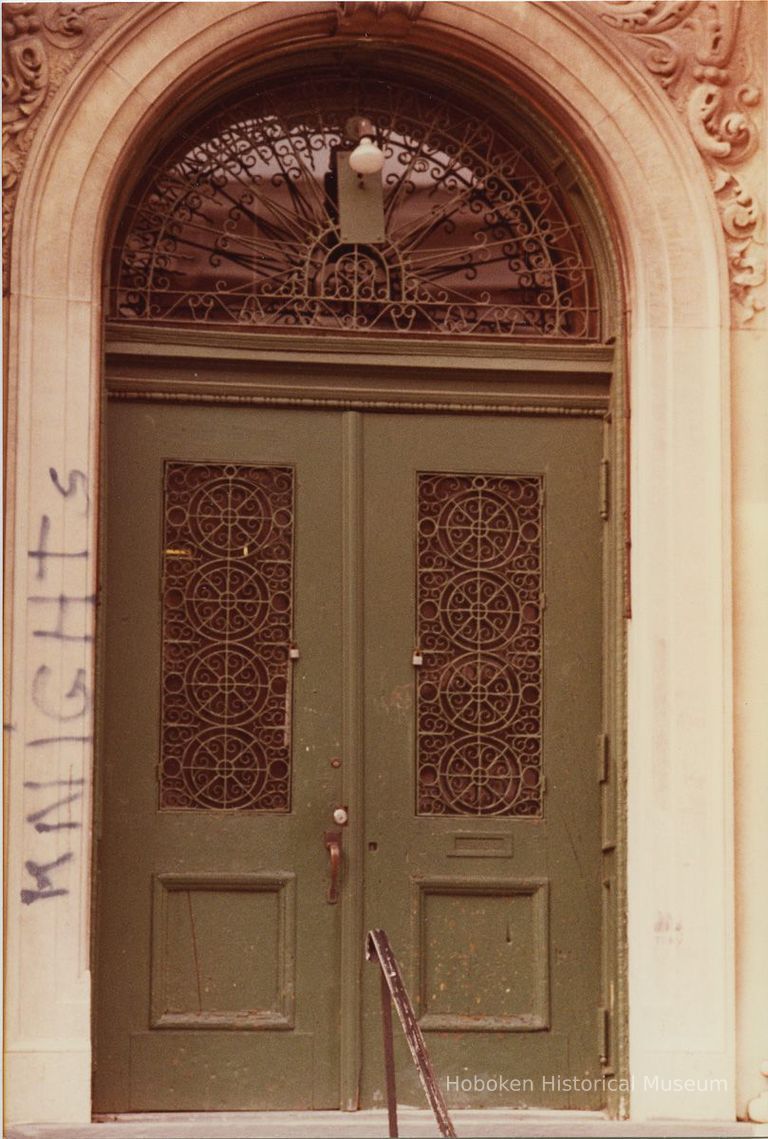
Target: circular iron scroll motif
point(479, 633)
point(227, 684)
point(238, 223)
point(227, 621)
point(227, 768)
point(479, 776)
point(479, 692)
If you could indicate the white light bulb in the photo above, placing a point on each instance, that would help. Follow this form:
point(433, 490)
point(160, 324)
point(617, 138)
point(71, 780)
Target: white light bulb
point(366, 158)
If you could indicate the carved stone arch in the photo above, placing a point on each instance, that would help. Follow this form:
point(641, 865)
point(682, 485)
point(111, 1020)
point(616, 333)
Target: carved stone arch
point(678, 660)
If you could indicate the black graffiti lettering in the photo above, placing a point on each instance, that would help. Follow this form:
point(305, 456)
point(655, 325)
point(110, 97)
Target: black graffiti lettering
point(78, 690)
point(42, 553)
point(75, 480)
point(43, 741)
point(65, 605)
point(48, 828)
point(54, 806)
point(54, 701)
point(42, 542)
point(45, 828)
point(53, 783)
point(36, 816)
point(43, 880)
point(40, 873)
point(29, 896)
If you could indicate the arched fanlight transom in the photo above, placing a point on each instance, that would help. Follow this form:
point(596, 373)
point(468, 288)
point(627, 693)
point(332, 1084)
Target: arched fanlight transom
point(237, 223)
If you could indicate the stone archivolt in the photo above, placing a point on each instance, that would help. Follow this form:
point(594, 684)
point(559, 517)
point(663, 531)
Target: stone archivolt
point(699, 51)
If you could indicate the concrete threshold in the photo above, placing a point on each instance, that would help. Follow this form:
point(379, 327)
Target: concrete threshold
point(493, 1123)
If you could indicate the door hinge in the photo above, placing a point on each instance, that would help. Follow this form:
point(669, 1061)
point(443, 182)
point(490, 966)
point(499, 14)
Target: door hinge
point(604, 1034)
point(603, 758)
point(605, 478)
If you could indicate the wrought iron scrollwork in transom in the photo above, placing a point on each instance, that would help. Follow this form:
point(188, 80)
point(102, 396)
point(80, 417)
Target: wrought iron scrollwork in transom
point(237, 223)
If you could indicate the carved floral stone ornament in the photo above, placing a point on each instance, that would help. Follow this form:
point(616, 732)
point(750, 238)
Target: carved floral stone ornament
point(700, 51)
point(41, 43)
point(372, 17)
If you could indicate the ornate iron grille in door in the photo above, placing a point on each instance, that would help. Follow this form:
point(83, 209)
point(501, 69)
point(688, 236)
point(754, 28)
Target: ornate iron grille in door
point(479, 571)
point(227, 613)
point(239, 224)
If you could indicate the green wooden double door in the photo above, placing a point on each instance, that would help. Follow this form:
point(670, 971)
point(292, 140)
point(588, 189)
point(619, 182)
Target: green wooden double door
point(396, 616)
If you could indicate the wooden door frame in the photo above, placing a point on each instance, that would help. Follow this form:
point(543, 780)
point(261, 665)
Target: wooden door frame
point(156, 365)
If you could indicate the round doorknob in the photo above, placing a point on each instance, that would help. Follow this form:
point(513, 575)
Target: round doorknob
point(340, 816)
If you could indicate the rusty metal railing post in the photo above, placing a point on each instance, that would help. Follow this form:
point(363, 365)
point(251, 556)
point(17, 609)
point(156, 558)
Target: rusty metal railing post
point(378, 949)
point(389, 1056)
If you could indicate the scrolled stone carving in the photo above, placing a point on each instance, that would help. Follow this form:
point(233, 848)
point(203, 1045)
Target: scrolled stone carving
point(41, 42)
point(366, 17)
point(698, 51)
point(29, 30)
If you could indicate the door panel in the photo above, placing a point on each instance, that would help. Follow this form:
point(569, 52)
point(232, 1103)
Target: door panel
point(218, 955)
point(488, 888)
point(229, 584)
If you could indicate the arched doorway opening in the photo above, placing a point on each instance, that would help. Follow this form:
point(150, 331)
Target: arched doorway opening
point(358, 433)
point(679, 1012)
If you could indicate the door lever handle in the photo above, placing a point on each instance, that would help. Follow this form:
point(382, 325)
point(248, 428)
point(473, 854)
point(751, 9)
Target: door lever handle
point(333, 846)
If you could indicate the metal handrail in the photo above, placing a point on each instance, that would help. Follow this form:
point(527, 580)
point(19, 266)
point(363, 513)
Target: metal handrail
point(377, 948)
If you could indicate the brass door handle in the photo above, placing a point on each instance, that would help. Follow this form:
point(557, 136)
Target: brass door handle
point(333, 846)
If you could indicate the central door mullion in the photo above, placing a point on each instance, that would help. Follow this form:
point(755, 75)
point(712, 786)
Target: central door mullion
point(352, 757)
